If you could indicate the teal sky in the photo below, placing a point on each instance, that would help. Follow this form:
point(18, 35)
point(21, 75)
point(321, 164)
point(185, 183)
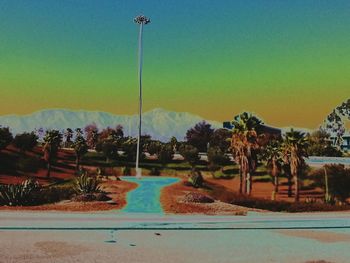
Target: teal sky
point(287, 61)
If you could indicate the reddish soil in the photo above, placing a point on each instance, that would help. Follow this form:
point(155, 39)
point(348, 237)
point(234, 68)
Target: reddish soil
point(116, 190)
point(264, 189)
point(172, 201)
point(221, 189)
point(63, 169)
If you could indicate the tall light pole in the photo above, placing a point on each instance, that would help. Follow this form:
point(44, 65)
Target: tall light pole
point(141, 20)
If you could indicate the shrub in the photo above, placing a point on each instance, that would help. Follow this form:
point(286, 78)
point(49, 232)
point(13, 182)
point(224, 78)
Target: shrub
point(338, 180)
point(29, 164)
point(197, 198)
point(126, 171)
point(283, 206)
point(19, 194)
point(102, 197)
point(190, 154)
point(86, 184)
point(84, 198)
point(52, 194)
point(25, 141)
point(155, 171)
point(196, 178)
point(91, 197)
point(166, 154)
point(216, 158)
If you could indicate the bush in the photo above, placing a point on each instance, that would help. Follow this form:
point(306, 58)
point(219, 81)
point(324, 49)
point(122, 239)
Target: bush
point(126, 171)
point(53, 194)
point(197, 198)
point(155, 171)
point(19, 194)
point(283, 206)
point(190, 154)
point(338, 180)
point(25, 141)
point(84, 198)
point(86, 184)
point(91, 197)
point(196, 178)
point(29, 164)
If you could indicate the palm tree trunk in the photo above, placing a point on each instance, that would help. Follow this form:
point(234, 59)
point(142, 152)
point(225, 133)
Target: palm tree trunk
point(296, 187)
point(48, 169)
point(289, 177)
point(249, 183)
point(276, 183)
point(77, 163)
point(240, 180)
point(275, 174)
point(326, 196)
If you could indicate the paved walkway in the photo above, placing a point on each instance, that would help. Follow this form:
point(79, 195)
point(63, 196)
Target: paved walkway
point(110, 237)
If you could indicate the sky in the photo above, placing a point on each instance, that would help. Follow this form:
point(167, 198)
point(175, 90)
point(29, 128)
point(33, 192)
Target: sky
point(286, 61)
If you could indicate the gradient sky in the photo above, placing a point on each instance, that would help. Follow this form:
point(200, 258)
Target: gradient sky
point(287, 61)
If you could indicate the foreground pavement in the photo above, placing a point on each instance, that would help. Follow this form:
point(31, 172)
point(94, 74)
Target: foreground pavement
point(111, 237)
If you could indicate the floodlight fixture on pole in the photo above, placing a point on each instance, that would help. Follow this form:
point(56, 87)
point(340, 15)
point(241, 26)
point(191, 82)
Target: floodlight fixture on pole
point(141, 20)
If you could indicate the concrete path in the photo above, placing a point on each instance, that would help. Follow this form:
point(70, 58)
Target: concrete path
point(111, 237)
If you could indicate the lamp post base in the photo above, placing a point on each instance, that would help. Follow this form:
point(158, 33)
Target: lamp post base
point(138, 173)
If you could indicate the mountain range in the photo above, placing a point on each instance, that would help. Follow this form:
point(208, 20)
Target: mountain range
point(159, 123)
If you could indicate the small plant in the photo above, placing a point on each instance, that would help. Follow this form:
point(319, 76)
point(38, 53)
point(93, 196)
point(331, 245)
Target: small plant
point(86, 184)
point(19, 194)
point(196, 178)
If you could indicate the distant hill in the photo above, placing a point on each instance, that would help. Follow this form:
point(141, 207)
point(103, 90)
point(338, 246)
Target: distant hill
point(159, 123)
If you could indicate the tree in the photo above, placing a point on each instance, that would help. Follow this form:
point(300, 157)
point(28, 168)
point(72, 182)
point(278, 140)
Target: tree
point(91, 132)
point(110, 133)
point(295, 144)
point(244, 144)
point(52, 142)
point(174, 143)
point(217, 158)
point(273, 156)
point(5, 137)
point(129, 147)
point(153, 147)
point(320, 144)
point(68, 135)
point(190, 154)
point(335, 179)
point(221, 138)
point(165, 154)
point(335, 122)
point(80, 148)
point(200, 136)
point(25, 141)
point(109, 148)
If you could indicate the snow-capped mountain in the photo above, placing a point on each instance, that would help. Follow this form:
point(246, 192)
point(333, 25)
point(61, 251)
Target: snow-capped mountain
point(159, 123)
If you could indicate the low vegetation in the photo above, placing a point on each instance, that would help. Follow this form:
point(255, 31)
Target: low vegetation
point(19, 194)
point(283, 206)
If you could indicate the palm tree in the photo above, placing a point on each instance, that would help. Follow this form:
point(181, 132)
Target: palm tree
point(244, 145)
point(296, 149)
point(68, 135)
point(52, 141)
point(80, 147)
point(273, 156)
point(5, 137)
